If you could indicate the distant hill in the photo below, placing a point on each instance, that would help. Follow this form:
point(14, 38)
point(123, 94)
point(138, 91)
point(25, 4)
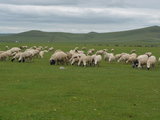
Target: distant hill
point(149, 35)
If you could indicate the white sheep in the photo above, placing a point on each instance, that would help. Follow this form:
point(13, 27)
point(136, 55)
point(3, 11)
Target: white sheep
point(109, 56)
point(132, 58)
point(86, 60)
point(124, 58)
point(151, 62)
point(27, 55)
point(59, 57)
point(141, 60)
point(41, 53)
point(96, 59)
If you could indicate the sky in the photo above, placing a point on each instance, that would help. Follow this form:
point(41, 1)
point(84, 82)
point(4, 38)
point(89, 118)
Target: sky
point(77, 16)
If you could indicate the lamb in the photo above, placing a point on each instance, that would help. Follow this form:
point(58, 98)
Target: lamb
point(59, 57)
point(151, 62)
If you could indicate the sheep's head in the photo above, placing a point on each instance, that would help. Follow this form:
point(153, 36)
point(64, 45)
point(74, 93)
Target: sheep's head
point(52, 62)
point(135, 64)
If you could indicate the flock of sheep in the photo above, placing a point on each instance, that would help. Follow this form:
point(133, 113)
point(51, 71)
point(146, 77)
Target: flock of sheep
point(79, 57)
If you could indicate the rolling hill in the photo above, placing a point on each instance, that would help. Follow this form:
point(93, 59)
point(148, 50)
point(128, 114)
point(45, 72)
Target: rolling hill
point(148, 35)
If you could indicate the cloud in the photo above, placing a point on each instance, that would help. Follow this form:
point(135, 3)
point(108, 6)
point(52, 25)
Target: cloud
point(16, 15)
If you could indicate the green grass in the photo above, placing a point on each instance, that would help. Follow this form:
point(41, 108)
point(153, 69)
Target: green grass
point(113, 91)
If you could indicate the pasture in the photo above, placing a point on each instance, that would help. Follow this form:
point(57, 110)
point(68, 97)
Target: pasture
point(113, 91)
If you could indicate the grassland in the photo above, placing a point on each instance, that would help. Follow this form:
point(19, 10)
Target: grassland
point(113, 91)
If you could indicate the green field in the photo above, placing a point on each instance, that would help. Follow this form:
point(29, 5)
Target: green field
point(113, 91)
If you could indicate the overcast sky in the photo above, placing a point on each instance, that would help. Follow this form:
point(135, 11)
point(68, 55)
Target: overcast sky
point(78, 16)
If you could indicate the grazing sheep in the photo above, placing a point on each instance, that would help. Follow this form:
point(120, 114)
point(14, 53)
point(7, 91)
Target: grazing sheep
point(75, 58)
point(5, 55)
point(100, 52)
point(109, 56)
point(151, 62)
point(27, 55)
point(90, 51)
point(141, 61)
point(51, 49)
point(148, 53)
point(15, 49)
point(41, 53)
point(132, 58)
point(23, 47)
point(96, 59)
point(86, 60)
point(59, 57)
point(124, 58)
point(16, 56)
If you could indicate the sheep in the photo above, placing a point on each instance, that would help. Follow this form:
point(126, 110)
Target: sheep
point(109, 56)
point(96, 59)
point(51, 49)
point(27, 55)
point(15, 49)
point(148, 53)
point(124, 57)
point(141, 61)
point(151, 62)
point(86, 60)
point(16, 56)
point(23, 47)
point(75, 58)
point(41, 53)
point(90, 51)
point(5, 55)
point(100, 52)
point(131, 58)
point(59, 57)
